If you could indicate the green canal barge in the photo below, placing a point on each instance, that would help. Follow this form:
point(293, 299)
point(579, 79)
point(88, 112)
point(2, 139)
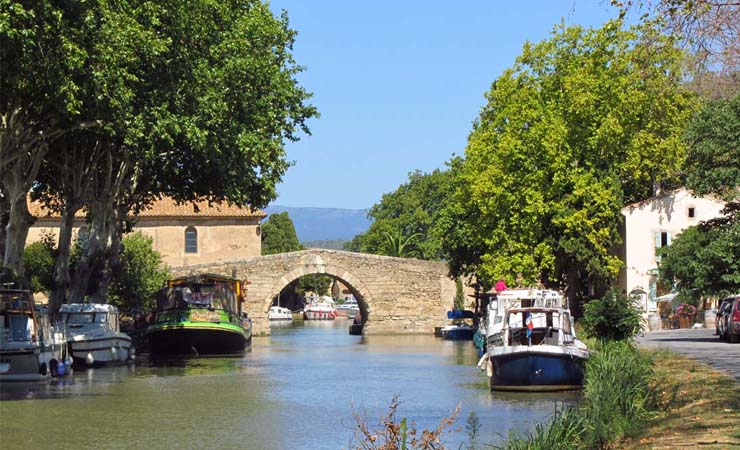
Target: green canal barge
point(200, 315)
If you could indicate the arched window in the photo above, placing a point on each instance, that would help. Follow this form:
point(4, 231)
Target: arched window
point(191, 240)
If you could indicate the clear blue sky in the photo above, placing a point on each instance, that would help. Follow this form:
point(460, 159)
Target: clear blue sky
point(399, 83)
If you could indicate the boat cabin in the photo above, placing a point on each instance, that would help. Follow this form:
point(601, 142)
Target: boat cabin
point(89, 315)
point(17, 317)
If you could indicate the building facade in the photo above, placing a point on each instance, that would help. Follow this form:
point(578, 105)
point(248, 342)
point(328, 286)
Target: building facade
point(183, 234)
point(651, 224)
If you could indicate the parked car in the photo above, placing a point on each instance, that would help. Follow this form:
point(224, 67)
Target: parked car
point(720, 324)
point(729, 327)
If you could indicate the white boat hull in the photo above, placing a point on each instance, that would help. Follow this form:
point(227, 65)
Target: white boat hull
point(105, 350)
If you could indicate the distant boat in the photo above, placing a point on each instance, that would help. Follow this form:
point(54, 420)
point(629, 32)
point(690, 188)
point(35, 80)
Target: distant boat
point(200, 315)
point(458, 330)
point(321, 309)
point(279, 313)
point(532, 344)
point(31, 349)
point(350, 308)
point(94, 335)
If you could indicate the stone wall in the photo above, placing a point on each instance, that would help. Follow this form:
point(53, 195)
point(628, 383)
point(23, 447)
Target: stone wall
point(396, 295)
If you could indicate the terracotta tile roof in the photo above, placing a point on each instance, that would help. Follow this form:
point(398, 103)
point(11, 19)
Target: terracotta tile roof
point(166, 207)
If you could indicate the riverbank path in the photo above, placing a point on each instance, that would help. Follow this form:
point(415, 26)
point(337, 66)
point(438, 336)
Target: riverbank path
point(702, 345)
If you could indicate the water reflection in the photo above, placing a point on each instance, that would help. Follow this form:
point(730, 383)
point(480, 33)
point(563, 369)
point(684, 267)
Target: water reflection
point(295, 389)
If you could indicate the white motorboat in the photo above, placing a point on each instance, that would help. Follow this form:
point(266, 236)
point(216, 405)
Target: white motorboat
point(94, 335)
point(350, 308)
point(531, 343)
point(320, 309)
point(279, 313)
point(30, 348)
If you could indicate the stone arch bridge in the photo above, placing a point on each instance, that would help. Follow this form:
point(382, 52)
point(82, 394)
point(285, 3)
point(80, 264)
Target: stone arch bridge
point(396, 295)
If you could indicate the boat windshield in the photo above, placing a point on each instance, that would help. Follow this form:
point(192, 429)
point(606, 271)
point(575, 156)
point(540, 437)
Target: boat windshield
point(83, 318)
point(205, 295)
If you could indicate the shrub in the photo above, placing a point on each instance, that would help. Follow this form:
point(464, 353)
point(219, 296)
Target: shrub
point(142, 274)
point(38, 263)
point(612, 317)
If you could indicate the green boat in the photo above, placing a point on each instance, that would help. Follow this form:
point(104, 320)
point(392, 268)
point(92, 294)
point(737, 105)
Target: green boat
point(200, 315)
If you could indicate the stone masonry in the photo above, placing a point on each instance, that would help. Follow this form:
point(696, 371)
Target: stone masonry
point(396, 295)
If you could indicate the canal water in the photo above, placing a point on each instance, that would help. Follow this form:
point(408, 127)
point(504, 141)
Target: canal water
point(297, 389)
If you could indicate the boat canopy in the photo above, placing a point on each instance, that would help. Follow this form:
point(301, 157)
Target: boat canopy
point(197, 295)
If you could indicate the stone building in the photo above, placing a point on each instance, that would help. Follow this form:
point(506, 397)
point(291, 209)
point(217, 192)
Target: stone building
point(651, 224)
point(216, 232)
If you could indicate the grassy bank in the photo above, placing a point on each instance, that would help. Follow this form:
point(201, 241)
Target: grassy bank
point(699, 407)
point(644, 400)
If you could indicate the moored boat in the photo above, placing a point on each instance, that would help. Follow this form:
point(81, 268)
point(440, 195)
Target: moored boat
point(350, 308)
point(458, 330)
point(321, 309)
point(279, 313)
point(532, 344)
point(93, 333)
point(30, 348)
point(200, 315)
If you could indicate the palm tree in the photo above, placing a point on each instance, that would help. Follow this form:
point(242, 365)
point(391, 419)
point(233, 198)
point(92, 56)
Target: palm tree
point(400, 246)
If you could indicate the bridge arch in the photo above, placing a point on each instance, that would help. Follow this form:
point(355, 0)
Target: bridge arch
point(397, 295)
point(314, 264)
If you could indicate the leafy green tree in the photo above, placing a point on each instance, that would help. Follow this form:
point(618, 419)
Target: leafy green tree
point(39, 79)
point(38, 263)
point(411, 210)
point(613, 317)
point(714, 150)
point(278, 235)
point(142, 273)
point(189, 99)
point(582, 123)
point(318, 283)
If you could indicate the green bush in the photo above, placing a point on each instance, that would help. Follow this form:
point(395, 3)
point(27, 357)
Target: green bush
point(142, 274)
point(612, 317)
point(38, 263)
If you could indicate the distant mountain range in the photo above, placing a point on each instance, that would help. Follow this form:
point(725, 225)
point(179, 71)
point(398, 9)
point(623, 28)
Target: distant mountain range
point(325, 224)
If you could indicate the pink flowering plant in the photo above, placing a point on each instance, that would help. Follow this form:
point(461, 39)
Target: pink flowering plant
point(686, 310)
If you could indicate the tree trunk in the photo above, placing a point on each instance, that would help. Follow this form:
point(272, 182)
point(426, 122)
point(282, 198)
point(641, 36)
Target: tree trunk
point(62, 279)
point(19, 221)
point(4, 218)
point(572, 290)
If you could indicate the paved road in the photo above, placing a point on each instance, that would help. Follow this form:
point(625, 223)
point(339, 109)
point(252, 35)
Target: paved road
point(701, 345)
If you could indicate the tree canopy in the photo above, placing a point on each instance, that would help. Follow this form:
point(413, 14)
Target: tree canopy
point(404, 220)
point(582, 123)
point(136, 99)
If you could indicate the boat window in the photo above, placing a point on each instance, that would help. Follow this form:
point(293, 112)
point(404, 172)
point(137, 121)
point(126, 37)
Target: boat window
point(21, 327)
point(101, 317)
point(80, 318)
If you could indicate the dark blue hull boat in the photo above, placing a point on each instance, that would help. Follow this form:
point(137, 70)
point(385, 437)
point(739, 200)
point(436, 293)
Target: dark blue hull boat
point(458, 333)
point(532, 371)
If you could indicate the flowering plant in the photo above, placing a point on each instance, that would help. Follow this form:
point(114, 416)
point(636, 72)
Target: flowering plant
point(686, 310)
